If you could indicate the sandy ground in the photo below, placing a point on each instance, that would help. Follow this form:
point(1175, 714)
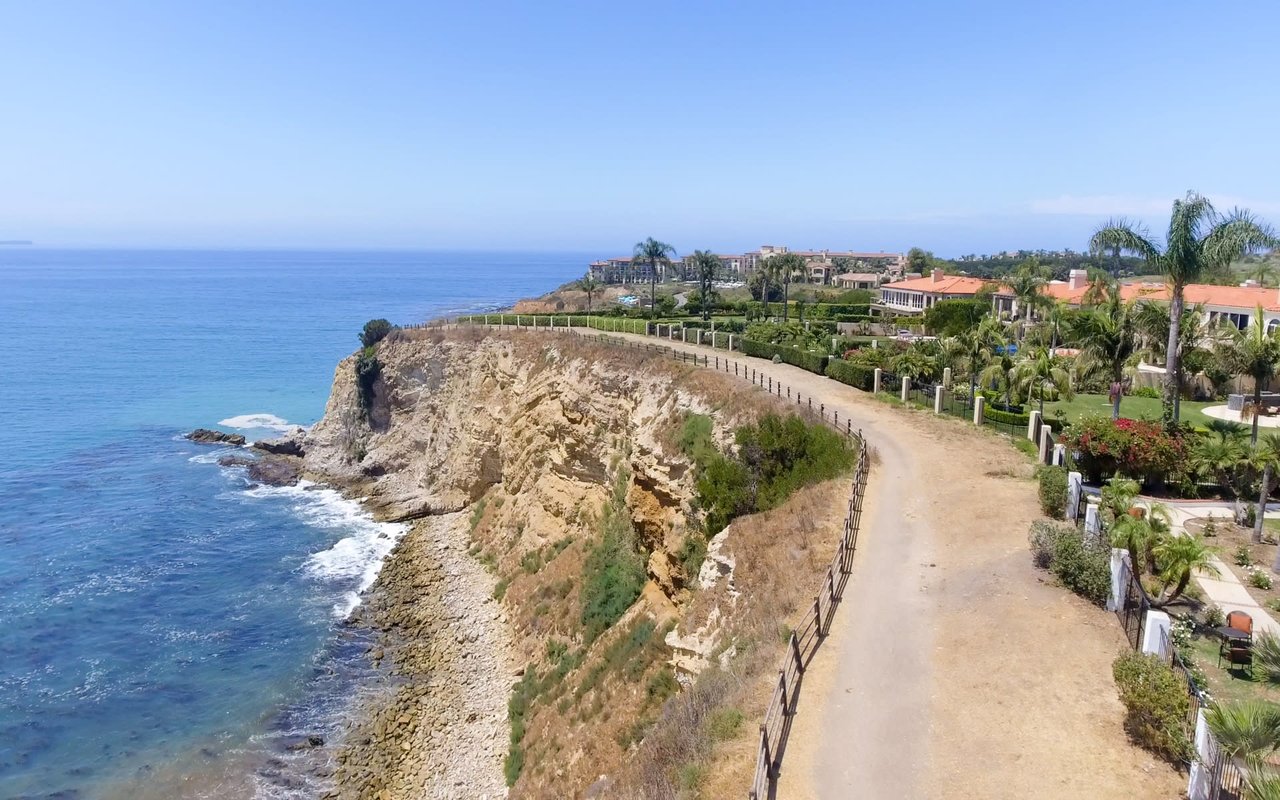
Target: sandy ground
point(954, 669)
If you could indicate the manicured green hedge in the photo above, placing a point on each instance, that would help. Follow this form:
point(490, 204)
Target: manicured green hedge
point(1007, 418)
point(814, 362)
point(852, 374)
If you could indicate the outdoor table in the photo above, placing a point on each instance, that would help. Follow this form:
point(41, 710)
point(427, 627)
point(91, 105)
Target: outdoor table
point(1233, 634)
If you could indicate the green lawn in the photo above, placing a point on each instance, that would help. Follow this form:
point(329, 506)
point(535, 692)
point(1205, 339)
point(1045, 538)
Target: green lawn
point(1132, 407)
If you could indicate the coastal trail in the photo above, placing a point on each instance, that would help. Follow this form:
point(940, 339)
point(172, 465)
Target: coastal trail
point(953, 668)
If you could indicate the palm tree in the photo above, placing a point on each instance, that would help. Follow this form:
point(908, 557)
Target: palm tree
point(1199, 240)
point(914, 364)
point(788, 264)
point(1026, 284)
point(1178, 557)
point(771, 274)
point(590, 286)
point(1100, 287)
point(1266, 454)
point(999, 372)
point(1254, 351)
point(1220, 458)
point(1264, 272)
point(978, 344)
point(1246, 729)
point(1140, 535)
point(1118, 496)
point(653, 252)
point(705, 264)
point(1108, 338)
point(1037, 373)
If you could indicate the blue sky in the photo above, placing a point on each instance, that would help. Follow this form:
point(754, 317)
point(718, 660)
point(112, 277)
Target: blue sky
point(959, 127)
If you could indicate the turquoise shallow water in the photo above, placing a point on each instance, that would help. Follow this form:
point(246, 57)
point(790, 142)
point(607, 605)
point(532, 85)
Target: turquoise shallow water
point(155, 611)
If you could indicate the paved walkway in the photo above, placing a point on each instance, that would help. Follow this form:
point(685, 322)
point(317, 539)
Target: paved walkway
point(1225, 590)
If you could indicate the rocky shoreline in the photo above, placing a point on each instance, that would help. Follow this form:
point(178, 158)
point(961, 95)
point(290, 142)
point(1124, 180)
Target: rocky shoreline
point(439, 730)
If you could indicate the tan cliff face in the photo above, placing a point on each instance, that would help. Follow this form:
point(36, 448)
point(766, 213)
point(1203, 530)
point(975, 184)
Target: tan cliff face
point(533, 436)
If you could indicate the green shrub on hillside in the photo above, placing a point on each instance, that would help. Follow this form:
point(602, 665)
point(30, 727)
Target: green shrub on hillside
point(1053, 491)
point(368, 368)
point(375, 330)
point(613, 573)
point(772, 459)
point(794, 355)
point(1157, 704)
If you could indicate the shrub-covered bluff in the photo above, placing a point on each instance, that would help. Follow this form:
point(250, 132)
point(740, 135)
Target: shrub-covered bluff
point(568, 613)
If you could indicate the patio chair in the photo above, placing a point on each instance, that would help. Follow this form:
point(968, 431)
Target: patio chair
point(1237, 655)
point(1241, 622)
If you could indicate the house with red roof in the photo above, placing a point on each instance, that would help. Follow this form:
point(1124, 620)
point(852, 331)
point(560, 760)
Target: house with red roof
point(916, 295)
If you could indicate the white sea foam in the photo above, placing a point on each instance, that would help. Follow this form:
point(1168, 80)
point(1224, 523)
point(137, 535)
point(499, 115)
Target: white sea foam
point(353, 561)
point(256, 422)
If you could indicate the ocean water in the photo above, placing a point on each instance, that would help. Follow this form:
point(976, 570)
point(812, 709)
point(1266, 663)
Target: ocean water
point(165, 627)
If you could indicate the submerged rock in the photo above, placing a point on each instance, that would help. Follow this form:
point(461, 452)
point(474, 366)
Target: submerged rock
point(235, 461)
point(207, 436)
point(276, 471)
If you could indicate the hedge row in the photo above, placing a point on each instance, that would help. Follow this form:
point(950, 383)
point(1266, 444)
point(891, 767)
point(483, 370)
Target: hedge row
point(1007, 417)
point(855, 375)
point(813, 362)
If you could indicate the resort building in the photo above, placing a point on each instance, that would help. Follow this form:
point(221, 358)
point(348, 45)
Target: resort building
point(1235, 304)
point(858, 280)
point(916, 295)
point(822, 267)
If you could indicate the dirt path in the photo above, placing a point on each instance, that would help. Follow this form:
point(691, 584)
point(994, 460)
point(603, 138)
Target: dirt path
point(953, 669)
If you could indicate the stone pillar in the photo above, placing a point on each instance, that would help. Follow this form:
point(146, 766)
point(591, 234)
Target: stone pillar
point(1155, 634)
point(1059, 455)
point(1033, 426)
point(938, 393)
point(1046, 443)
point(731, 341)
point(1092, 519)
point(946, 377)
point(698, 336)
point(875, 382)
point(1119, 570)
point(834, 339)
point(684, 335)
point(906, 388)
point(1075, 488)
point(979, 409)
point(875, 344)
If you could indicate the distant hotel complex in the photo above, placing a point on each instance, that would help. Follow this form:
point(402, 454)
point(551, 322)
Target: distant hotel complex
point(845, 269)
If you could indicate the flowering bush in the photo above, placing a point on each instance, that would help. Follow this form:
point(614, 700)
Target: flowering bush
point(1133, 447)
point(1258, 577)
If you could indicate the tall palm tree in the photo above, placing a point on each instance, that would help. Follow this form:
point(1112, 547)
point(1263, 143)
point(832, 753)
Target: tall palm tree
point(788, 264)
point(653, 252)
point(1108, 338)
point(1026, 284)
point(705, 264)
point(1264, 272)
point(1254, 351)
point(1178, 557)
point(1037, 373)
point(589, 285)
point(1199, 240)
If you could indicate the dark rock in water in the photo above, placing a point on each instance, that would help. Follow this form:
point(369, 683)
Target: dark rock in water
point(235, 461)
point(206, 436)
point(288, 446)
point(275, 471)
point(303, 742)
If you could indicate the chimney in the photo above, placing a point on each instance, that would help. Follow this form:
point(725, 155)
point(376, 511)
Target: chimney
point(1076, 279)
point(937, 274)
